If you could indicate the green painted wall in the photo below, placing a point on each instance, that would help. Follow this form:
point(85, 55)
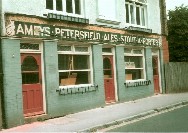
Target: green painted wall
point(59, 105)
point(133, 93)
point(12, 82)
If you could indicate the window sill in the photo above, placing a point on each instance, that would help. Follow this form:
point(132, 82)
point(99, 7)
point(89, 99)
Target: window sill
point(102, 20)
point(74, 89)
point(136, 83)
point(64, 13)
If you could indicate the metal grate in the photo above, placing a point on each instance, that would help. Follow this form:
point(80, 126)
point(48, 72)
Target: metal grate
point(81, 49)
point(127, 51)
point(27, 46)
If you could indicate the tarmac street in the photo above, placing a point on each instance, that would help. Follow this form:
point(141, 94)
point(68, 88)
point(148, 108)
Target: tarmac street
point(171, 121)
point(96, 119)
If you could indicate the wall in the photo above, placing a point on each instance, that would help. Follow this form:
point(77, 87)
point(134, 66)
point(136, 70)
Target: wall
point(91, 11)
point(133, 93)
point(59, 105)
point(12, 82)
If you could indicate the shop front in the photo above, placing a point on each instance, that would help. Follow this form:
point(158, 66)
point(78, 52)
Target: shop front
point(58, 68)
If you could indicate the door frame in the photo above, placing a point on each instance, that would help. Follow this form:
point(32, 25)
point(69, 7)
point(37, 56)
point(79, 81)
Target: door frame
point(114, 68)
point(155, 52)
point(40, 51)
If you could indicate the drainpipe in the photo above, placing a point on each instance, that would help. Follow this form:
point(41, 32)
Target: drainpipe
point(1, 69)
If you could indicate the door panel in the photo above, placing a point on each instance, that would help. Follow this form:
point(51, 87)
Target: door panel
point(31, 85)
point(109, 79)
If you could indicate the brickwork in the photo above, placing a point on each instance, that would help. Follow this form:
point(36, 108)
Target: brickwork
point(12, 82)
point(165, 50)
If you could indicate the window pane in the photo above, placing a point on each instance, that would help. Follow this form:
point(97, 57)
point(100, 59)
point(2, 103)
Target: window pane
point(59, 6)
point(138, 15)
point(73, 62)
point(64, 62)
point(69, 6)
point(132, 14)
point(74, 78)
point(30, 64)
point(49, 4)
point(77, 7)
point(81, 62)
point(63, 48)
point(134, 62)
point(136, 51)
point(30, 78)
point(107, 50)
point(27, 46)
point(127, 13)
point(134, 74)
point(81, 49)
point(143, 17)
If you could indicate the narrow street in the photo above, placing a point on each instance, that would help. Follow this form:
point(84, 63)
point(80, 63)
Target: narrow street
point(172, 121)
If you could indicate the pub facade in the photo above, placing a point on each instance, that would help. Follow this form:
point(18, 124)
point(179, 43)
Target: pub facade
point(65, 56)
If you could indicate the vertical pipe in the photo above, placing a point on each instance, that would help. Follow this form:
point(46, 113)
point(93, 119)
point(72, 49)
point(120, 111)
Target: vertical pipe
point(1, 67)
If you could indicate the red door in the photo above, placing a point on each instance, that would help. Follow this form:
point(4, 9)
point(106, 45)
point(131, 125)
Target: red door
point(155, 74)
point(32, 84)
point(108, 79)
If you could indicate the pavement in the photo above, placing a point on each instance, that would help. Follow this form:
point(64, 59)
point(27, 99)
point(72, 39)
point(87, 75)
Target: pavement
point(100, 118)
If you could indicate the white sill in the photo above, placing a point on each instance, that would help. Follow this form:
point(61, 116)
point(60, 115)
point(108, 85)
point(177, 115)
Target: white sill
point(134, 25)
point(64, 13)
point(132, 81)
point(103, 20)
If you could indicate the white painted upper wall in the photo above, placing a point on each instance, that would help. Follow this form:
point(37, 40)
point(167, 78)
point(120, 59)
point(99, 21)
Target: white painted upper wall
point(96, 14)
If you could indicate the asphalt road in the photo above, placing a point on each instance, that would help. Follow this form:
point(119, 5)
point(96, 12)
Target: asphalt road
point(173, 121)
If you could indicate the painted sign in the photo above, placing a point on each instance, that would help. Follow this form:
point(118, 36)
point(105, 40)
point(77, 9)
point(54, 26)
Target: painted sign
point(25, 29)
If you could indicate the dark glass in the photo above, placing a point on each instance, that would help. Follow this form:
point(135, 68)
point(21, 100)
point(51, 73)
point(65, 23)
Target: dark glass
point(59, 6)
point(69, 6)
point(138, 15)
point(49, 4)
point(30, 71)
point(81, 77)
point(127, 13)
point(135, 74)
point(77, 7)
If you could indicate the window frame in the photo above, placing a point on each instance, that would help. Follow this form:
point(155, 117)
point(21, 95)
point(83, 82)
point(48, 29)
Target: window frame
point(143, 68)
point(74, 52)
point(64, 9)
point(142, 7)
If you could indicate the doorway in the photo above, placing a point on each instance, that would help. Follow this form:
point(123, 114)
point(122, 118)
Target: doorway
point(108, 72)
point(32, 84)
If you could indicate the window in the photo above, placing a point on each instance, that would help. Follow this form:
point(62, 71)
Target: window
point(107, 9)
point(134, 64)
point(136, 12)
point(74, 65)
point(66, 6)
